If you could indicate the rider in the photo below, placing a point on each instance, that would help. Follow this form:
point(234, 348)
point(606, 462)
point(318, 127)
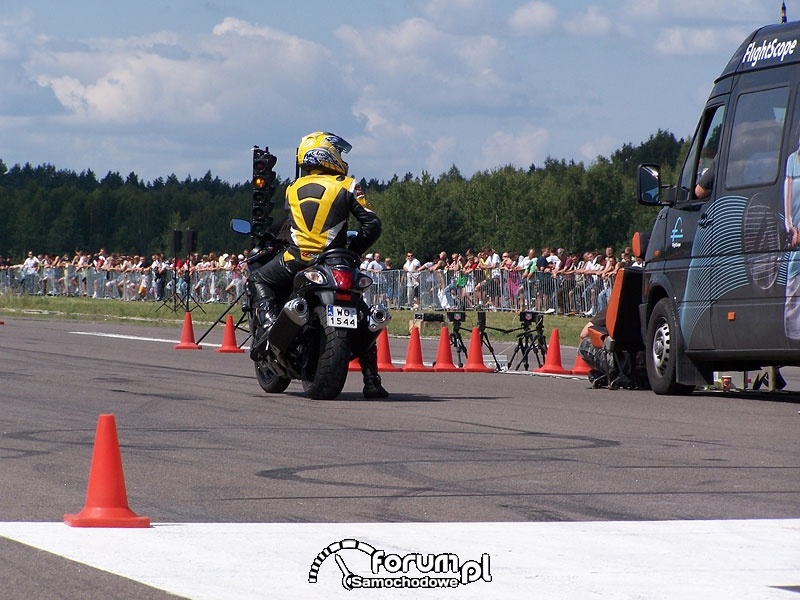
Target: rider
point(319, 204)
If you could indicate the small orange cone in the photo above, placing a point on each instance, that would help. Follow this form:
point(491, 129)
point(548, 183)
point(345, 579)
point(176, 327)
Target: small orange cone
point(229, 338)
point(187, 335)
point(106, 498)
point(475, 362)
point(355, 365)
point(581, 367)
point(385, 354)
point(552, 362)
point(413, 362)
point(444, 356)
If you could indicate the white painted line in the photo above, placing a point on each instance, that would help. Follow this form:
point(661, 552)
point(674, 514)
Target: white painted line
point(616, 560)
point(133, 337)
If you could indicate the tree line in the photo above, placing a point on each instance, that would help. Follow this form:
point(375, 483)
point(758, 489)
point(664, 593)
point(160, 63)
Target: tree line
point(559, 203)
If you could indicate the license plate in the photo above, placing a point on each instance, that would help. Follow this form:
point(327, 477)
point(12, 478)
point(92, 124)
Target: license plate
point(342, 316)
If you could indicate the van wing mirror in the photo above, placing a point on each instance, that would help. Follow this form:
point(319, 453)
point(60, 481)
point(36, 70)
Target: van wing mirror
point(648, 184)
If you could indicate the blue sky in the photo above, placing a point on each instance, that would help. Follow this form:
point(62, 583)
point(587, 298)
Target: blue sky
point(162, 87)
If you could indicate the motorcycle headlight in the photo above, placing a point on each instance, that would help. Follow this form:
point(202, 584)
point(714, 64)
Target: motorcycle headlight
point(314, 276)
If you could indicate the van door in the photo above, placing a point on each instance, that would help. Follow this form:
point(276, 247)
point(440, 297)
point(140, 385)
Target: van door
point(688, 247)
point(748, 220)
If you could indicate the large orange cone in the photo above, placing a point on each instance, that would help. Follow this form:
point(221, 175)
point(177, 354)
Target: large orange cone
point(355, 365)
point(581, 367)
point(475, 362)
point(552, 362)
point(229, 338)
point(444, 356)
point(106, 498)
point(187, 335)
point(413, 362)
point(385, 354)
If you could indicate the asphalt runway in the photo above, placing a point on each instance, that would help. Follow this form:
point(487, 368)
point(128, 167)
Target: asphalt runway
point(201, 444)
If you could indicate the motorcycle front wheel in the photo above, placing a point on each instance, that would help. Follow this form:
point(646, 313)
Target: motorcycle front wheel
point(327, 359)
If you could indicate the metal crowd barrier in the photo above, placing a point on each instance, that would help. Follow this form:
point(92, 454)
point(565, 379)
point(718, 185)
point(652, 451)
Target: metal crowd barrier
point(567, 294)
point(205, 286)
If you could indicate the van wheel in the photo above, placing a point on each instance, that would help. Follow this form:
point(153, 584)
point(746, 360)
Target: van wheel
point(663, 345)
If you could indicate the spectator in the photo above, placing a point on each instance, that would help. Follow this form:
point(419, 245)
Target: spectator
point(543, 286)
point(411, 273)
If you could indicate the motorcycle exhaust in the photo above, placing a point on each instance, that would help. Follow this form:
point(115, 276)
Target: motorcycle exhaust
point(297, 310)
point(292, 317)
point(378, 317)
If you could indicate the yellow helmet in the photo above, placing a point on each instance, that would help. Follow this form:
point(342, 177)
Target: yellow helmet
point(323, 150)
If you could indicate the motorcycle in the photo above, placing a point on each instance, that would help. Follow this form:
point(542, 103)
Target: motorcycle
point(321, 327)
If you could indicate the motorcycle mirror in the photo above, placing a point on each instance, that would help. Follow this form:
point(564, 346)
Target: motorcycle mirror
point(240, 226)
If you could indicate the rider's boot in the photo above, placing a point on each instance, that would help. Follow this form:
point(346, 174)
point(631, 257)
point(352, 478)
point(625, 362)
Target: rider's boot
point(369, 369)
point(265, 317)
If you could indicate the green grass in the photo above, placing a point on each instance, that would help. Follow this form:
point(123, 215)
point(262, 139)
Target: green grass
point(156, 314)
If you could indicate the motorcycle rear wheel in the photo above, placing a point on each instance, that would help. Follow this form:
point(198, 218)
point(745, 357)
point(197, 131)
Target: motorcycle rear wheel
point(269, 382)
point(325, 370)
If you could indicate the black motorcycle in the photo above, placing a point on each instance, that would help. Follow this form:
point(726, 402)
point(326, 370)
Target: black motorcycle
point(322, 326)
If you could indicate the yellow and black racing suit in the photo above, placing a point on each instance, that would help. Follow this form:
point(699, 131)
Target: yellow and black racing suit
point(319, 205)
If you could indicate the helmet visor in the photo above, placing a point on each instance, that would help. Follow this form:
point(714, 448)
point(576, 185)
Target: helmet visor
point(342, 145)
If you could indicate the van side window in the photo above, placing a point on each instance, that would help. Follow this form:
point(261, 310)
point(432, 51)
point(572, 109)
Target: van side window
point(702, 155)
point(756, 138)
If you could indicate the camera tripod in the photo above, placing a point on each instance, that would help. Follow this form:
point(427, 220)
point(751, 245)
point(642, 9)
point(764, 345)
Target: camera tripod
point(485, 338)
point(175, 299)
point(457, 342)
point(529, 340)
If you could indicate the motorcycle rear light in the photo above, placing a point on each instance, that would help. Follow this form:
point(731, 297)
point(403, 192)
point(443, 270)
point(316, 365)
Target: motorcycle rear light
point(344, 296)
point(343, 279)
point(314, 277)
point(363, 282)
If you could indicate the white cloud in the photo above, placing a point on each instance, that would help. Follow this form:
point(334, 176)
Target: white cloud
point(533, 18)
point(457, 16)
point(181, 79)
point(590, 23)
point(521, 148)
point(687, 41)
point(603, 145)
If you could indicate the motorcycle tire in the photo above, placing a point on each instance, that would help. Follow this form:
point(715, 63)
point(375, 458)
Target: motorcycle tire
point(325, 370)
point(269, 382)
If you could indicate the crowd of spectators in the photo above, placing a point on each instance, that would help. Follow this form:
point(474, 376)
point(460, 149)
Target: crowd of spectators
point(550, 280)
point(212, 277)
point(553, 280)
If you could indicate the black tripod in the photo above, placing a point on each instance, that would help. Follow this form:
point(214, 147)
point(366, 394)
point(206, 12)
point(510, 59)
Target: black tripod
point(457, 342)
point(238, 325)
point(485, 338)
point(175, 299)
point(529, 340)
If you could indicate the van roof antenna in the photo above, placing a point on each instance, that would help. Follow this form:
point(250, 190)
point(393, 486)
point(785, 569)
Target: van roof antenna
point(783, 12)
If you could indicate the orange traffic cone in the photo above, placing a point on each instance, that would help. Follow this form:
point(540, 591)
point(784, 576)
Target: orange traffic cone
point(581, 367)
point(106, 498)
point(413, 362)
point(229, 338)
point(444, 356)
point(187, 335)
point(385, 354)
point(355, 365)
point(475, 362)
point(552, 362)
